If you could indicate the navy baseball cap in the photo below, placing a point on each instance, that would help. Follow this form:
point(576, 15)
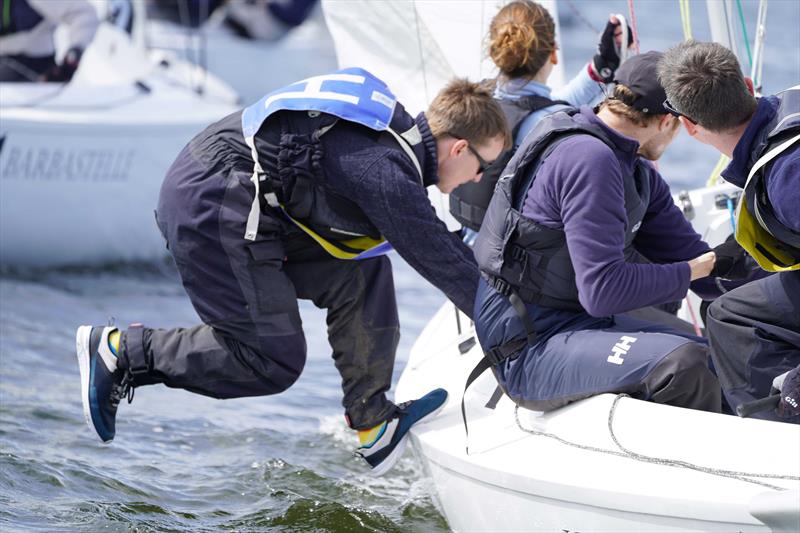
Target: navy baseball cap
point(639, 74)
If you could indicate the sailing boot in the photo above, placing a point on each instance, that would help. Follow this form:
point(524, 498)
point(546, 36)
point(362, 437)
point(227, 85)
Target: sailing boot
point(103, 384)
point(383, 445)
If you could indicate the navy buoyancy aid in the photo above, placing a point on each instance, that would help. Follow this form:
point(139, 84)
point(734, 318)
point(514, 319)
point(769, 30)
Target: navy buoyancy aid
point(295, 183)
point(758, 230)
point(17, 16)
point(520, 256)
point(469, 201)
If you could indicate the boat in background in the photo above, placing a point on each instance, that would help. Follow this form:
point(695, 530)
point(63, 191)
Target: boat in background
point(81, 163)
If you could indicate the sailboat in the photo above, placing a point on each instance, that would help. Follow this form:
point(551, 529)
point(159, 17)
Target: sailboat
point(607, 463)
point(81, 163)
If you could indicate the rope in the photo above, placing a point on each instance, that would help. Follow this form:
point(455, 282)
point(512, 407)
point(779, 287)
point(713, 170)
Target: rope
point(744, 32)
point(722, 162)
point(686, 19)
point(695, 323)
point(758, 53)
point(625, 452)
point(421, 55)
point(633, 28)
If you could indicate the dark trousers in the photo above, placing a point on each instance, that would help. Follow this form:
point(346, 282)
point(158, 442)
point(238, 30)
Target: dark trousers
point(25, 68)
point(246, 293)
point(754, 334)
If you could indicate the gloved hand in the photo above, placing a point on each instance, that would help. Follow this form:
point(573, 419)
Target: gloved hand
point(606, 61)
point(67, 68)
point(789, 385)
point(733, 261)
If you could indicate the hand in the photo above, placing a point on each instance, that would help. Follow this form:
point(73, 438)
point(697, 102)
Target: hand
point(702, 266)
point(733, 262)
point(789, 385)
point(606, 61)
point(67, 68)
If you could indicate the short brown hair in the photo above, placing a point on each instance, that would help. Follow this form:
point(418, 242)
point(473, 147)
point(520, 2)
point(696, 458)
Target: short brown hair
point(467, 110)
point(621, 104)
point(704, 82)
point(522, 35)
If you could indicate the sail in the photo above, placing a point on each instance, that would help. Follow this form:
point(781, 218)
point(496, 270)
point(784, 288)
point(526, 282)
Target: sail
point(417, 46)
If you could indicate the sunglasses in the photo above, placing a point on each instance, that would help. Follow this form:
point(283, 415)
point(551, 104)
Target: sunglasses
point(482, 163)
point(674, 112)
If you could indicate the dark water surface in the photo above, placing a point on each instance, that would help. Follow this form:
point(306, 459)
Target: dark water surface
point(182, 462)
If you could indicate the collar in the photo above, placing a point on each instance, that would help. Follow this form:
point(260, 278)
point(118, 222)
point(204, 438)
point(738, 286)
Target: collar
point(430, 166)
point(516, 88)
point(625, 148)
point(743, 156)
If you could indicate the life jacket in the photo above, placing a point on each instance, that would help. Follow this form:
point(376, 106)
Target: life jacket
point(296, 186)
point(775, 247)
point(520, 256)
point(469, 201)
point(17, 16)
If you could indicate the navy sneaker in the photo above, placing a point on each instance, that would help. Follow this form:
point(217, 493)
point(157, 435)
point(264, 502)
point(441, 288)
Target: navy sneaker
point(103, 385)
point(384, 451)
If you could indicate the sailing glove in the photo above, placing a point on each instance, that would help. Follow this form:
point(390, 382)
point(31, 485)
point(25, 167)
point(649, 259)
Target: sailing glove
point(733, 262)
point(789, 385)
point(606, 61)
point(67, 68)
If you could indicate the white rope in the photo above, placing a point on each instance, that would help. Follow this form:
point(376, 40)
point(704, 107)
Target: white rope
point(625, 452)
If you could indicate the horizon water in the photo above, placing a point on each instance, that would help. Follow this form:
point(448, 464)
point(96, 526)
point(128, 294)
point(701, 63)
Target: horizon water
point(184, 462)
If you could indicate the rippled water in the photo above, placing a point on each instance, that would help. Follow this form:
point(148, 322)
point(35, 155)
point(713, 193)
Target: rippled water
point(183, 462)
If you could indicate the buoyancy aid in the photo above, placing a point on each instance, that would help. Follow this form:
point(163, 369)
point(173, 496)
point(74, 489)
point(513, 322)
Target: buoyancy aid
point(775, 247)
point(17, 16)
point(469, 201)
point(519, 256)
point(296, 186)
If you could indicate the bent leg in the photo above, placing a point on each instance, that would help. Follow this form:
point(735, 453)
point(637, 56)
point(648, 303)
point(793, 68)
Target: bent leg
point(650, 363)
point(754, 334)
point(363, 329)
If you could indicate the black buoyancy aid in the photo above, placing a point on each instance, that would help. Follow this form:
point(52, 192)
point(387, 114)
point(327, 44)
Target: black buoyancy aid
point(17, 16)
point(759, 231)
point(469, 201)
point(520, 256)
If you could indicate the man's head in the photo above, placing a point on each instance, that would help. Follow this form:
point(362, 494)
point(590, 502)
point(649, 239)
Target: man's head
point(636, 107)
point(470, 130)
point(705, 85)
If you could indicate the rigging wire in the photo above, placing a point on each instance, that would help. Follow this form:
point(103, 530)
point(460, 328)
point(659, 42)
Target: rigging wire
point(633, 27)
point(758, 52)
point(580, 16)
point(744, 32)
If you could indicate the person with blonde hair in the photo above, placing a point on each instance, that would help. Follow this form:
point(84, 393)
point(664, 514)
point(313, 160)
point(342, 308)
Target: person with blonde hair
point(522, 43)
point(297, 197)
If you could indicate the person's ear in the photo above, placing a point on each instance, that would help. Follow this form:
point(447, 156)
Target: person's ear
point(750, 87)
point(665, 123)
point(554, 57)
point(457, 147)
point(689, 126)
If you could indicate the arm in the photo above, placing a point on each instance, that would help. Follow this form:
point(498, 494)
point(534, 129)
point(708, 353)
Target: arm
point(589, 192)
point(79, 16)
point(390, 194)
point(581, 90)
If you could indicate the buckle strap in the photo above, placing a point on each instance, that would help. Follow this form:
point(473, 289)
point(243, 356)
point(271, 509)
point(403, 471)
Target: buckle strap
point(498, 354)
point(134, 350)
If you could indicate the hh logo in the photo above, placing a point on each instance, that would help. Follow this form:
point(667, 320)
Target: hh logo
point(620, 349)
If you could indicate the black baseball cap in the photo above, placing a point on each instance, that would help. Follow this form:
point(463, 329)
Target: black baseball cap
point(639, 74)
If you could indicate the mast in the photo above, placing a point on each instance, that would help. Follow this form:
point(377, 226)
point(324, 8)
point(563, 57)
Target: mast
point(721, 19)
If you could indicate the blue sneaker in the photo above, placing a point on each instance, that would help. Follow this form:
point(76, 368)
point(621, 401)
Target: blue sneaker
point(383, 452)
point(102, 383)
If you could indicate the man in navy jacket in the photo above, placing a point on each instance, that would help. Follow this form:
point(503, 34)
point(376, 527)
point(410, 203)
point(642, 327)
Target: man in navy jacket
point(291, 199)
point(754, 330)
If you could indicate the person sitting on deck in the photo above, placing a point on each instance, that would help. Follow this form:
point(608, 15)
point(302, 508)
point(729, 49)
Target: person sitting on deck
point(27, 44)
point(581, 230)
point(522, 44)
point(754, 331)
point(295, 197)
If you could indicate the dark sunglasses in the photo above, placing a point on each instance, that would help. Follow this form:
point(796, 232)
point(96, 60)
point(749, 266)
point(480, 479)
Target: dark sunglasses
point(674, 112)
point(482, 163)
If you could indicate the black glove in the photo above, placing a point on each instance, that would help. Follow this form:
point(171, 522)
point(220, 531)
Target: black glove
point(606, 61)
point(733, 261)
point(67, 68)
point(789, 384)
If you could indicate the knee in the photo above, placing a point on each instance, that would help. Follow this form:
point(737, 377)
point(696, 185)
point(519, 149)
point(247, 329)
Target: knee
point(279, 363)
point(684, 379)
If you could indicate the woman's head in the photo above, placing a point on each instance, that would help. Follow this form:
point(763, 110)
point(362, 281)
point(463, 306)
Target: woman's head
point(522, 37)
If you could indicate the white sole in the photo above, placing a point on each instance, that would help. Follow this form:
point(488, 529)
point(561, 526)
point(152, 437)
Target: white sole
point(393, 457)
point(82, 338)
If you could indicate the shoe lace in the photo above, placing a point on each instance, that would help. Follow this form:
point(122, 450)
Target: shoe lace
point(123, 389)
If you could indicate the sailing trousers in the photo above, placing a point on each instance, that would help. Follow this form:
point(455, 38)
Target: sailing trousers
point(754, 334)
point(252, 342)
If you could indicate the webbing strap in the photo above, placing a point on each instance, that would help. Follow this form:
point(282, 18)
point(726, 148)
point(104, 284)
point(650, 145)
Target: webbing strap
point(479, 369)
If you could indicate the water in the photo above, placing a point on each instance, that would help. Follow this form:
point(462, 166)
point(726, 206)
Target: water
point(182, 462)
